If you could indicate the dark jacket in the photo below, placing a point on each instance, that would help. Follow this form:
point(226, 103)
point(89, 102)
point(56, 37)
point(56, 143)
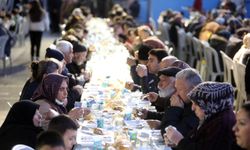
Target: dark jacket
point(149, 83)
point(214, 134)
point(73, 95)
point(184, 119)
point(247, 77)
point(28, 89)
point(75, 69)
point(160, 102)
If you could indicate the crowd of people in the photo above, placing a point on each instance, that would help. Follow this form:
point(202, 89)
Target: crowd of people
point(192, 114)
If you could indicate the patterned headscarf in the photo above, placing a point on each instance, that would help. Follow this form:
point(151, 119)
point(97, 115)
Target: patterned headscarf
point(212, 97)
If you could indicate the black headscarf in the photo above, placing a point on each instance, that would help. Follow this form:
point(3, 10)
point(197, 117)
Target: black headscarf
point(18, 127)
point(21, 113)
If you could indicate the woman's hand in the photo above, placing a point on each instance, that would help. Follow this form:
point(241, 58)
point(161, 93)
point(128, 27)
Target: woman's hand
point(76, 113)
point(172, 136)
point(86, 111)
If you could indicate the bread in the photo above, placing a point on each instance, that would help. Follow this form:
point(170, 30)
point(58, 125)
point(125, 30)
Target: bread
point(98, 131)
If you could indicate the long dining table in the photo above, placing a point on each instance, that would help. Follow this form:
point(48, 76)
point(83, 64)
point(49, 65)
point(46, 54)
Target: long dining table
point(113, 122)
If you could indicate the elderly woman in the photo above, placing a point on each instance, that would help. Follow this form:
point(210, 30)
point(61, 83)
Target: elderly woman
point(21, 125)
point(52, 94)
point(244, 50)
point(213, 105)
point(242, 127)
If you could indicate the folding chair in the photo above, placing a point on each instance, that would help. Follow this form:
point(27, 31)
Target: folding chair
point(213, 69)
point(180, 50)
point(228, 68)
point(191, 55)
point(239, 74)
point(3, 41)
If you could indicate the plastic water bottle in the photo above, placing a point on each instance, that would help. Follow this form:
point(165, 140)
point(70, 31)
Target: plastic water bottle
point(98, 144)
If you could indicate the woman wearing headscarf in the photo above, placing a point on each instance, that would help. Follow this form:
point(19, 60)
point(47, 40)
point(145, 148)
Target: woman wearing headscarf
point(52, 95)
point(53, 92)
point(21, 125)
point(242, 127)
point(213, 105)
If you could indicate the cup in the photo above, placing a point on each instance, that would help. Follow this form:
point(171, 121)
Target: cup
point(78, 104)
point(132, 135)
point(128, 115)
point(97, 144)
point(100, 122)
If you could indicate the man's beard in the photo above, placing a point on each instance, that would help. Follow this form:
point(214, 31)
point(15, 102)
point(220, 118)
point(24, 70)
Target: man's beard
point(166, 92)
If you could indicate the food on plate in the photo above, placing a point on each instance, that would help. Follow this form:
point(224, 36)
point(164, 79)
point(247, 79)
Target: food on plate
point(123, 144)
point(98, 131)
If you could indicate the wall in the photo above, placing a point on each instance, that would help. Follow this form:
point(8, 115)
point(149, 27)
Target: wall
point(159, 5)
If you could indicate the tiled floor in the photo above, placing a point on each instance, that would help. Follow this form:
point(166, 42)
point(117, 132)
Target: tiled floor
point(11, 84)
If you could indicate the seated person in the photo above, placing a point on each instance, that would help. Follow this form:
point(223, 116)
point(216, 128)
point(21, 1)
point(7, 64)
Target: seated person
point(78, 64)
point(141, 57)
point(52, 94)
point(244, 50)
point(21, 126)
point(67, 128)
point(50, 140)
point(39, 70)
point(149, 83)
point(167, 61)
point(166, 87)
point(75, 90)
point(180, 114)
point(242, 127)
point(212, 103)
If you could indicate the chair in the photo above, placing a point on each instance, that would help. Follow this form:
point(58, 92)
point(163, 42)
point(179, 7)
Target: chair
point(200, 57)
point(228, 68)
point(3, 41)
point(20, 33)
point(164, 31)
point(152, 24)
point(180, 50)
point(191, 55)
point(239, 74)
point(214, 72)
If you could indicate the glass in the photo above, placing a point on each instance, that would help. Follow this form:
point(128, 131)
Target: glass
point(78, 104)
point(143, 139)
point(156, 139)
point(100, 122)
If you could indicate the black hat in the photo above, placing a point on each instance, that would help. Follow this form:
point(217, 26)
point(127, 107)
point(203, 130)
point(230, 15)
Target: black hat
point(54, 53)
point(170, 71)
point(77, 47)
